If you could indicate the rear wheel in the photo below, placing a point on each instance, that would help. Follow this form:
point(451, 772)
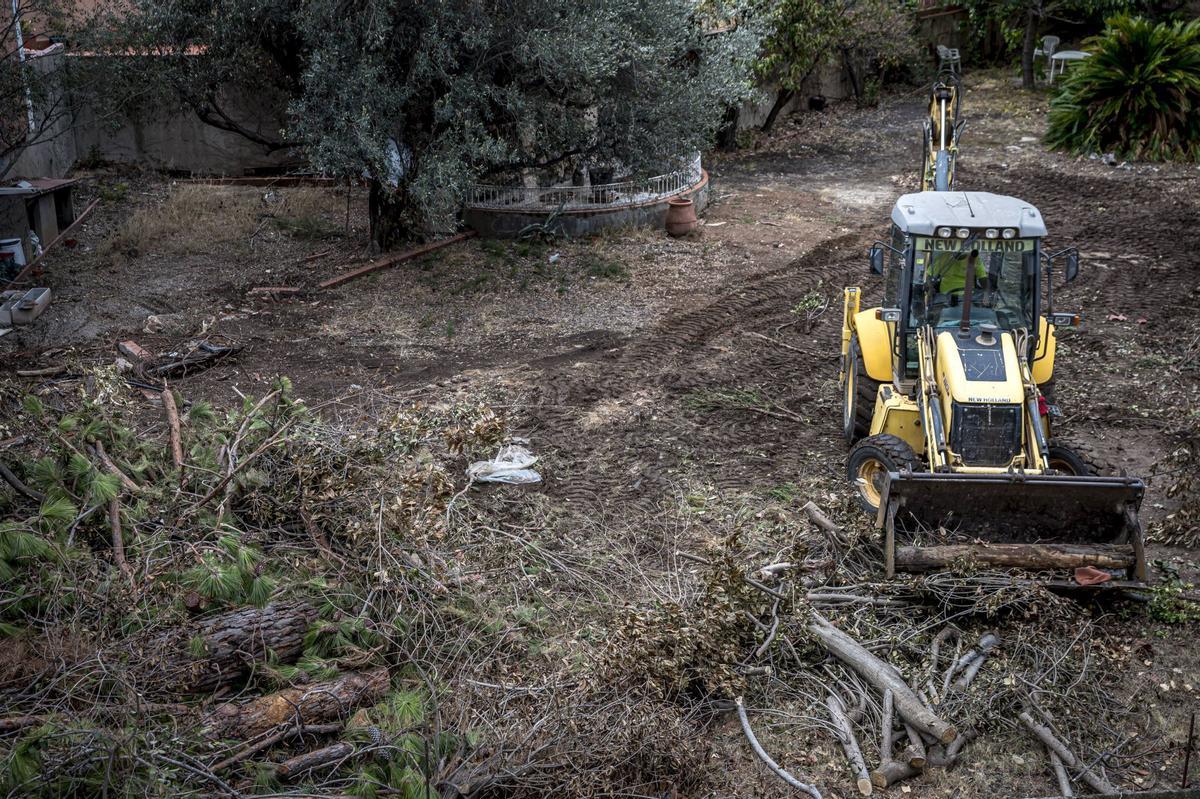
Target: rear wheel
point(871, 460)
point(858, 395)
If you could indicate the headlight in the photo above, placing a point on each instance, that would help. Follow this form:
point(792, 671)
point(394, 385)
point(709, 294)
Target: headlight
point(991, 233)
point(944, 232)
point(963, 232)
point(1009, 233)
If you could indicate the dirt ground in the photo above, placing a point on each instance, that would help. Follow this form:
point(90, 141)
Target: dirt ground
point(653, 375)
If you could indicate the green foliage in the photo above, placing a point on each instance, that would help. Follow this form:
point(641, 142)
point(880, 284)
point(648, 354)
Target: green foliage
point(21, 548)
point(406, 766)
point(231, 574)
point(115, 193)
point(1010, 18)
point(24, 772)
point(1175, 602)
point(599, 265)
point(432, 97)
point(802, 34)
point(1138, 95)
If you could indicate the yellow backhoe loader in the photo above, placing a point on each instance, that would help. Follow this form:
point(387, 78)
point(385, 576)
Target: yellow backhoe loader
point(944, 401)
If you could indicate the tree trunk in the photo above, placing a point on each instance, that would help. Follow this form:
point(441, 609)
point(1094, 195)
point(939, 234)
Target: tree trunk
point(1020, 556)
point(728, 134)
point(314, 704)
point(854, 85)
point(234, 644)
point(392, 215)
point(783, 98)
point(315, 759)
point(1033, 19)
point(884, 677)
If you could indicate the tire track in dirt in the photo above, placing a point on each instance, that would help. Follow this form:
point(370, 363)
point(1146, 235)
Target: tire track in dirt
point(636, 460)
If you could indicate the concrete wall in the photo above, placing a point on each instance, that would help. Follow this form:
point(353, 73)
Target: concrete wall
point(830, 80)
point(172, 139)
point(175, 138)
point(53, 151)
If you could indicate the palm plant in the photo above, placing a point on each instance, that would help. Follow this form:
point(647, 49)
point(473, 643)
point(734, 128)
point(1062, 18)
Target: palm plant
point(1138, 96)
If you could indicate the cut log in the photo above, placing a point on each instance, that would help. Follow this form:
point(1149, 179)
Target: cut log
point(914, 753)
point(883, 677)
point(832, 532)
point(1056, 746)
point(319, 703)
point(885, 728)
point(172, 412)
point(890, 772)
point(235, 643)
point(1019, 556)
point(1060, 774)
point(845, 734)
point(987, 643)
point(315, 759)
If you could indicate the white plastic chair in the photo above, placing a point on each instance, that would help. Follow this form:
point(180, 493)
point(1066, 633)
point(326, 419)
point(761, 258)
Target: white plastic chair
point(948, 58)
point(1049, 45)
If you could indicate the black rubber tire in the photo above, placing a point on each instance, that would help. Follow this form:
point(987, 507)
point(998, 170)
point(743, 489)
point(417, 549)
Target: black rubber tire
point(941, 172)
point(891, 452)
point(858, 398)
point(1080, 458)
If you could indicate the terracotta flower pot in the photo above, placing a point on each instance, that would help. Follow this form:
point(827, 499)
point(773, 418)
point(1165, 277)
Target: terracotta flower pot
point(681, 217)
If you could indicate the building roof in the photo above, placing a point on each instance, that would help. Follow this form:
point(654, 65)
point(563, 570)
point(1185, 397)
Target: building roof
point(923, 212)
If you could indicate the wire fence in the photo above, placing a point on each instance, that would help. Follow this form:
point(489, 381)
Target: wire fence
point(600, 195)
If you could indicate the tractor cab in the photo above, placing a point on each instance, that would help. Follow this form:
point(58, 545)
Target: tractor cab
point(966, 261)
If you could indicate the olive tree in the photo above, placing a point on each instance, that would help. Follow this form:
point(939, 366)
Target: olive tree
point(422, 99)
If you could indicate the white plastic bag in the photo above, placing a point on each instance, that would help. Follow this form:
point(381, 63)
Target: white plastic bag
point(511, 465)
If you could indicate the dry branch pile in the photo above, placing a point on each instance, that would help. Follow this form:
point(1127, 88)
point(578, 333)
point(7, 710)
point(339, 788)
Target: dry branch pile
point(283, 599)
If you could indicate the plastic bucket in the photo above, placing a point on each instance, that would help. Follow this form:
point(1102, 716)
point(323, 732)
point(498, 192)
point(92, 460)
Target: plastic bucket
point(15, 247)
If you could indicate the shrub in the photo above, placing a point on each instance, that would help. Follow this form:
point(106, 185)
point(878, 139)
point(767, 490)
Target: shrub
point(1137, 96)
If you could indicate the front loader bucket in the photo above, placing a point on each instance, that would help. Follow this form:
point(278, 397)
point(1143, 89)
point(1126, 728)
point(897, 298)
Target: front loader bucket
point(1029, 521)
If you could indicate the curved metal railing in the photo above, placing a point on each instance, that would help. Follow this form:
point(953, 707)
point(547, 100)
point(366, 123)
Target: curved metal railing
point(600, 195)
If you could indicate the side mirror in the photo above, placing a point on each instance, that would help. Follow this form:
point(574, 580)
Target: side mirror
point(1071, 271)
point(877, 259)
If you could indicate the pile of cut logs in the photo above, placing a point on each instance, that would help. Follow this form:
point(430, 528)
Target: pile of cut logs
point(925, 739)
point(235, 644)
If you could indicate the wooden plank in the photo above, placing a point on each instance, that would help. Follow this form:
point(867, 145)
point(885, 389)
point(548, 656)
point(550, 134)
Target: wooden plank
point(385, 263)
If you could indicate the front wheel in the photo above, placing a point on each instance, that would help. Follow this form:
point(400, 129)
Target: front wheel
point(1076, 459)
point(869, 463)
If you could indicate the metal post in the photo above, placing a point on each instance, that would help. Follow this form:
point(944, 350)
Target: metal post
point(16, 9)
